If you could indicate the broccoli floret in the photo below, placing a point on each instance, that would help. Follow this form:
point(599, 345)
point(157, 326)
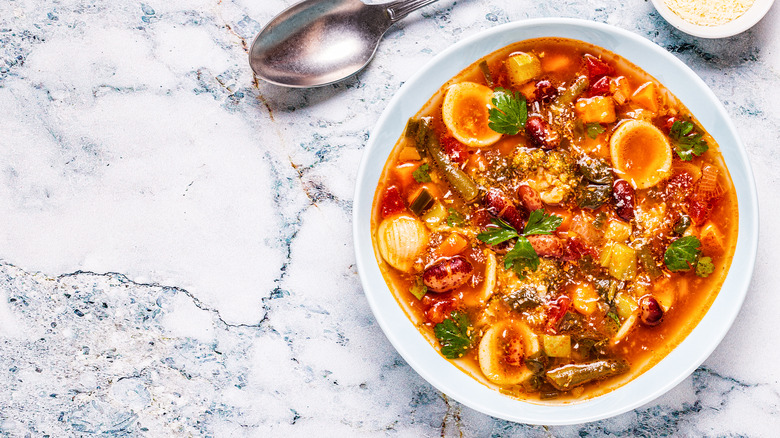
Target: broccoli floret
point(552, 174)
point(528, 160)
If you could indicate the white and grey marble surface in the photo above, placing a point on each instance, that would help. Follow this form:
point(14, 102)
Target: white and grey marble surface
point(175, 236)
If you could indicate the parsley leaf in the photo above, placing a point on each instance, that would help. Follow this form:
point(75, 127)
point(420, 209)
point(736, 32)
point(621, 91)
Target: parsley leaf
point(594, 130)
point(540, 223)
point(682, 254)
point(453, 335)
point(509, 112)
point(496, 235)
point(705, 267)
point(687, 142)
point(455, 219)
point(421, 174)
point(522, 256)
point(418, 289)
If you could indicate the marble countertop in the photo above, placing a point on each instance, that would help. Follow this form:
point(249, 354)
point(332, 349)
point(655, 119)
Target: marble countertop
point(175, 236)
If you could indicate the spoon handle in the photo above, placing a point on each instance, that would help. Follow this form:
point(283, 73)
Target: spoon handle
point(400, 9)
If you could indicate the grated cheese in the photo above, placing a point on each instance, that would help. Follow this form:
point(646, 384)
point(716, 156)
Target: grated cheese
point(709, 12)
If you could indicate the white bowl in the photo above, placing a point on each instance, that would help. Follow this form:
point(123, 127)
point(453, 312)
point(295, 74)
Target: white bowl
point(678, 364)
point(738, 25)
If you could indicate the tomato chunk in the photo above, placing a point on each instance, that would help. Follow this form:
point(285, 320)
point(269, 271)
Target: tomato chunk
point(597, 68)
point(556, 312)
point(454, 149)
point(392, 202)
point(440, 306)
point(600, 87)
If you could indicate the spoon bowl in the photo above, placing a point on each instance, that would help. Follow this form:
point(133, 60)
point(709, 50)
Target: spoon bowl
point(319, 42)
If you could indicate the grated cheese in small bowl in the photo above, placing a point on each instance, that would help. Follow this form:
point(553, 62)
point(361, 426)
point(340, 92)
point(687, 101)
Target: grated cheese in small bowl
point(712, 18)
point(709, 12)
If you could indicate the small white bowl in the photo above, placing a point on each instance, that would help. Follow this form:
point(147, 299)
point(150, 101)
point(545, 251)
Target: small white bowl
point(740, 24)
point(679, 363)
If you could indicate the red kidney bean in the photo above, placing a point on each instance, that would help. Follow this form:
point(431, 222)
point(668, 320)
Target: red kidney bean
point(651, 311)
point(547, 245)
point(447, 274)
point(541, 134)
point(530, 199)
point(623, 195)
point(545, 92)
point(499, 205)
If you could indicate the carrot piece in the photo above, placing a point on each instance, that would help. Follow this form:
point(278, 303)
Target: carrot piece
point(454, 244)
point(598, 109)
point(646, 96)
point(556, 63)
point(679, 166)
point(712, 240)
point(403, 174)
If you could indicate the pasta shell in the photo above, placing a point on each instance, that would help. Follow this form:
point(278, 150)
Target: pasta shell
point(401, 239)
point(641, 154)
point(502, 351)
point(465, 112)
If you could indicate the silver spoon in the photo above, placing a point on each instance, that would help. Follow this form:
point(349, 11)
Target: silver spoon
point(318, 42)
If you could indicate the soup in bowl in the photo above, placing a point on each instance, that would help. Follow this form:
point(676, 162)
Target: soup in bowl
point(553, 221)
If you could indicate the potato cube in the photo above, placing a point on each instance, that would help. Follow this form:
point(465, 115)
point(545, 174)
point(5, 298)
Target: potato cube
point(625, 305)
point(620, 261)
point(618, 231)
point(597, 109)
point(646, 96)
point(523, 67)
point(557, 346)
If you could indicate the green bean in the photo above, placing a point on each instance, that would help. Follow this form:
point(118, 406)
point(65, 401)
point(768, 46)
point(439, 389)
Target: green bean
point(457, 178)
point(483, 67)
point(578, 87)
point(648, 263)
point(412, 128)
point(569, 376)
point(422, 202)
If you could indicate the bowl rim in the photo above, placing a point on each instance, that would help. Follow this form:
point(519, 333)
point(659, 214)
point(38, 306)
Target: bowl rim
point(740, 24)
point(678, 363)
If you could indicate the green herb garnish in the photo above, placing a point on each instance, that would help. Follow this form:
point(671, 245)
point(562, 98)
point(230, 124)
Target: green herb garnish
point(421, 174)
point(418, 289)
point(682, 254)
point(453, 335)
point(500, 234)
point(705, 267)
point(540, 223)
point(594, 130)
point(613, 316)
point(509, 112)
point(687, 142)
point(454, 218)
point(522, 256)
